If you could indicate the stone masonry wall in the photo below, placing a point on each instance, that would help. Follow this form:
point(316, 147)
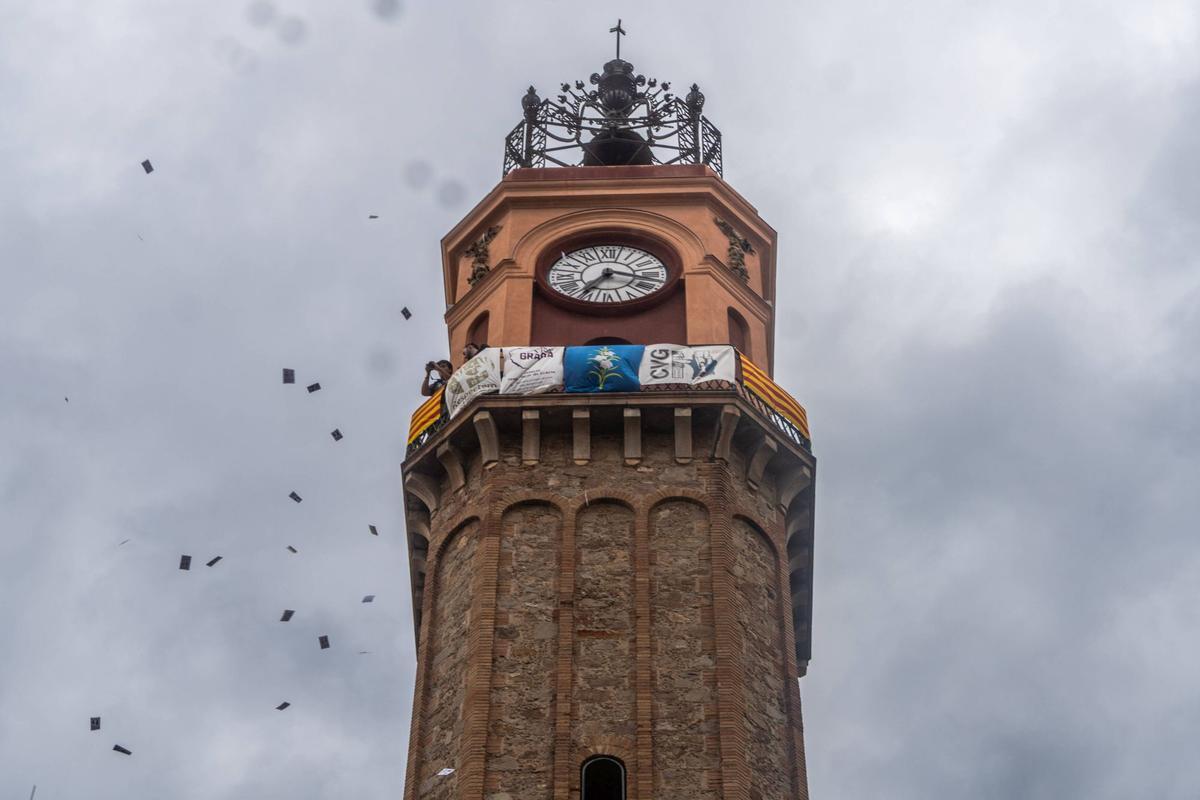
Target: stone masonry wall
point(603, 681)
point(756, 576)
point(442, 726)
point(520, 751)
point(686, 747)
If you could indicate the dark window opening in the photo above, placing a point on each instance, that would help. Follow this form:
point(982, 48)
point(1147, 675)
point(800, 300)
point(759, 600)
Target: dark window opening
point(602, 778)
point(739, 331)
point(479, 329)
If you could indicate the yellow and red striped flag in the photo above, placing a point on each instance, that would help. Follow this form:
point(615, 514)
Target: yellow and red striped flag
point(429, 412)
point(761, 384)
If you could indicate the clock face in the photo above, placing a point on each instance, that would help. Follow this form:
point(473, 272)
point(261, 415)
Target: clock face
point(607, 273)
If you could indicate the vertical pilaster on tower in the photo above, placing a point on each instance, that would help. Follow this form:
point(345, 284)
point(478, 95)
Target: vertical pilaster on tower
point(683, 435)
point(633, 435)
point(531, 436)
point(581, 427)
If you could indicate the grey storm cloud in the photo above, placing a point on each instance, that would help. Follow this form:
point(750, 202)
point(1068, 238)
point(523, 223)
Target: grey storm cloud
point(989, 301)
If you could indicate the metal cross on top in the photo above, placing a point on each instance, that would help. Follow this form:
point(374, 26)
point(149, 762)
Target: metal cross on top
point(619, 31)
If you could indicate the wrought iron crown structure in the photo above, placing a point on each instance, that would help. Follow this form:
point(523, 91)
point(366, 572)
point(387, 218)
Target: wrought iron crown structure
point(625, 119)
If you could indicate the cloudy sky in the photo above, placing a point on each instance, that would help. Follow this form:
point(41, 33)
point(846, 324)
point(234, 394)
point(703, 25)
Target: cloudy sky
point(989, 295)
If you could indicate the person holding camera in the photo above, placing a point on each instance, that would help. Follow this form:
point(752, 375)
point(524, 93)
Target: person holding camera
point(436, 375)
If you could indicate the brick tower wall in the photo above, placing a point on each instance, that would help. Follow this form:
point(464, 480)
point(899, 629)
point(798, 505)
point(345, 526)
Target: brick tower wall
point(630, 602)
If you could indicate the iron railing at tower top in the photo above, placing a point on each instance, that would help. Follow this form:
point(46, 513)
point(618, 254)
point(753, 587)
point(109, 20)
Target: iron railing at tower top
point(626, 119)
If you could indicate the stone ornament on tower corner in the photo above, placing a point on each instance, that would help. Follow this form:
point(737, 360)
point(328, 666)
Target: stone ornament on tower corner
point(478, 252)
point(738, 248)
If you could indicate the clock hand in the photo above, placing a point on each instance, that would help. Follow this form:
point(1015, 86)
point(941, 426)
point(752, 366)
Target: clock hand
point(587, 287)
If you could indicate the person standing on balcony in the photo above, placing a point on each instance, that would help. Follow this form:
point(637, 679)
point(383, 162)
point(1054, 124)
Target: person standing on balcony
point(436, 375)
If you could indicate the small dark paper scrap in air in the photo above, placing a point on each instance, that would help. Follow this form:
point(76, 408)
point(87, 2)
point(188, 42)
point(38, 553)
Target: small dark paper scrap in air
point(95, 723)
point(370, 598)
point(287, 614)
point(294, 550)
point(295, 497)
point(373, 531)
point(324, 640)
point(120, 749)
point(314, 387)
point(214, 561)
point(336, 434)
point(407, 314)
point(289, 375)
point(185, 562)
point(282, 706)
point(372, 216)
point(146, 165)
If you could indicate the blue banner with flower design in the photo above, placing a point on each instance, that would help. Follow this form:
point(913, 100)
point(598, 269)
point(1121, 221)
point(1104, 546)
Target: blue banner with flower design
point(602, 368)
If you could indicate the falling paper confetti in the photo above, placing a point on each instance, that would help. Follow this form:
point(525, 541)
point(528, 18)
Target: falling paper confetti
point(336, 434)
point(185, 562)
point(444, 771)
point(373, 531)
point(120, 749)
point(313, 387)
point(324, 640)
point(294, 550)
point(146, 165)
point(214, 561)
point(295, 497)
point(95, 723)
point(289, 375)
point(282, 706)
point(370, 598)
point(287, 614)
point(406, 313)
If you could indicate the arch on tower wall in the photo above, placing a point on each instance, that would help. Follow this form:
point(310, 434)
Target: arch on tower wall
point(605, 672)
point(519, 759)
point(761, 532)
point(764, 652)
point(447, 656)
point(686, 243)
point(682, 625)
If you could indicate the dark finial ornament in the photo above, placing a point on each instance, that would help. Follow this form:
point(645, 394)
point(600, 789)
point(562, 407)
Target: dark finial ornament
point(619, 31)
point(623, 118)
point(738, 248)
point(530, 103)
point(478, 252)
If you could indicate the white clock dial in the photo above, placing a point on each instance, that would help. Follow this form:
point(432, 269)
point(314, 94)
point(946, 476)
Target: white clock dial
point(607, 273)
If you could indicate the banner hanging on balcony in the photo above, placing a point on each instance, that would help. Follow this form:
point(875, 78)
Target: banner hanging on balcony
point(532, 370)
point(673, 365)
point(602, 368)
point(480, 375)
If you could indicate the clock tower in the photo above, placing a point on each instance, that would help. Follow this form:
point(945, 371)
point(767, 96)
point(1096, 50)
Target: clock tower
point(610, 509)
